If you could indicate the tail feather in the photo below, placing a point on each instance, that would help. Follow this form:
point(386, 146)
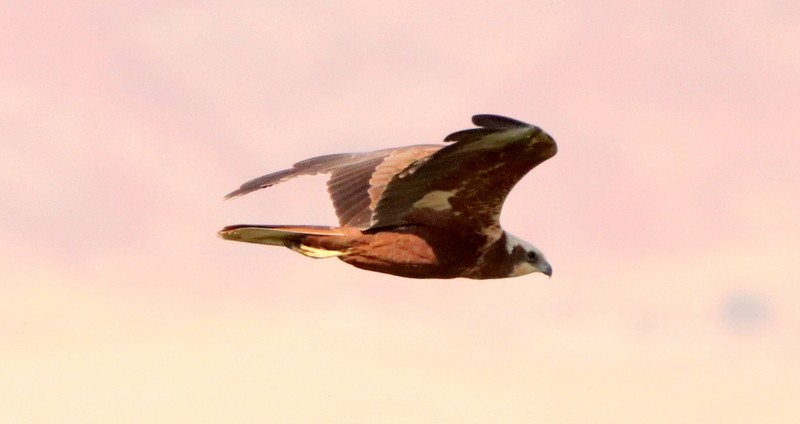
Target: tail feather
point(284, 235)
point(275, 235)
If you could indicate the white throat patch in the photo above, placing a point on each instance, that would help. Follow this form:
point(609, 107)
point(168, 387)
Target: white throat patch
point(522, 268)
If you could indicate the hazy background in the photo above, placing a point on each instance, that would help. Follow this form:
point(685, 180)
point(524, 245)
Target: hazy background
point(671, 214)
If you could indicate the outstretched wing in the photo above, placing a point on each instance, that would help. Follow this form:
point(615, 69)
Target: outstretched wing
point(356, 182)
point(356, 189)
point(463, 185)
point(313, 166)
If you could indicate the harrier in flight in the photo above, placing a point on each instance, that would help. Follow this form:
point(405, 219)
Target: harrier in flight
point(423, 211)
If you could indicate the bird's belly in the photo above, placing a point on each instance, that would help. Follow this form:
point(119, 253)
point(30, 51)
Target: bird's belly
point(410, 252)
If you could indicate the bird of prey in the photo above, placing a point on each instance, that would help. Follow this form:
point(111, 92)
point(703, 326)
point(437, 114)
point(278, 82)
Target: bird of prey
point(422, 211)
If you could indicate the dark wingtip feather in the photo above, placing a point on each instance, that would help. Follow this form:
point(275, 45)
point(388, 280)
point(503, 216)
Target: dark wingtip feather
point(241, 191)
point(497, 122)
point(488, 124)
point(470, 134)
point(236, 193)
point(261, 182)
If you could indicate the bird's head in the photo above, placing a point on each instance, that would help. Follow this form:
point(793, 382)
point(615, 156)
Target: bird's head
point(526, 258)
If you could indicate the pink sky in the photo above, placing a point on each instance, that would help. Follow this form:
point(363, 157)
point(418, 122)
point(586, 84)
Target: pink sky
point(671, 214)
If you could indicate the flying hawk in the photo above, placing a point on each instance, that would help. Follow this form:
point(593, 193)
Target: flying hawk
point(423, 211)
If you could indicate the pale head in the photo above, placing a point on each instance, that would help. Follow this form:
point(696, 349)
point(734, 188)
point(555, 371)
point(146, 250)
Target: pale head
point(526, 258)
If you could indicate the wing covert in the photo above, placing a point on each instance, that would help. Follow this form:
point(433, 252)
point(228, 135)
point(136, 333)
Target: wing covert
point(464, 184)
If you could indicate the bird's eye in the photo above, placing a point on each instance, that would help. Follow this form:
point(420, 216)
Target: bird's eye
point(532, 256)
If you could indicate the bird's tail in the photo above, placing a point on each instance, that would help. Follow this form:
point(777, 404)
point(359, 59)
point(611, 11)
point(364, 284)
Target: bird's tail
point(292, 237)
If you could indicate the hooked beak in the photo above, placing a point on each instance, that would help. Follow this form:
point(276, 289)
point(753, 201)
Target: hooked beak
point(547, 270)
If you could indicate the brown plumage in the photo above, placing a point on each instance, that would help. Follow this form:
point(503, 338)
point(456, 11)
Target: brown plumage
point(423, 211)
